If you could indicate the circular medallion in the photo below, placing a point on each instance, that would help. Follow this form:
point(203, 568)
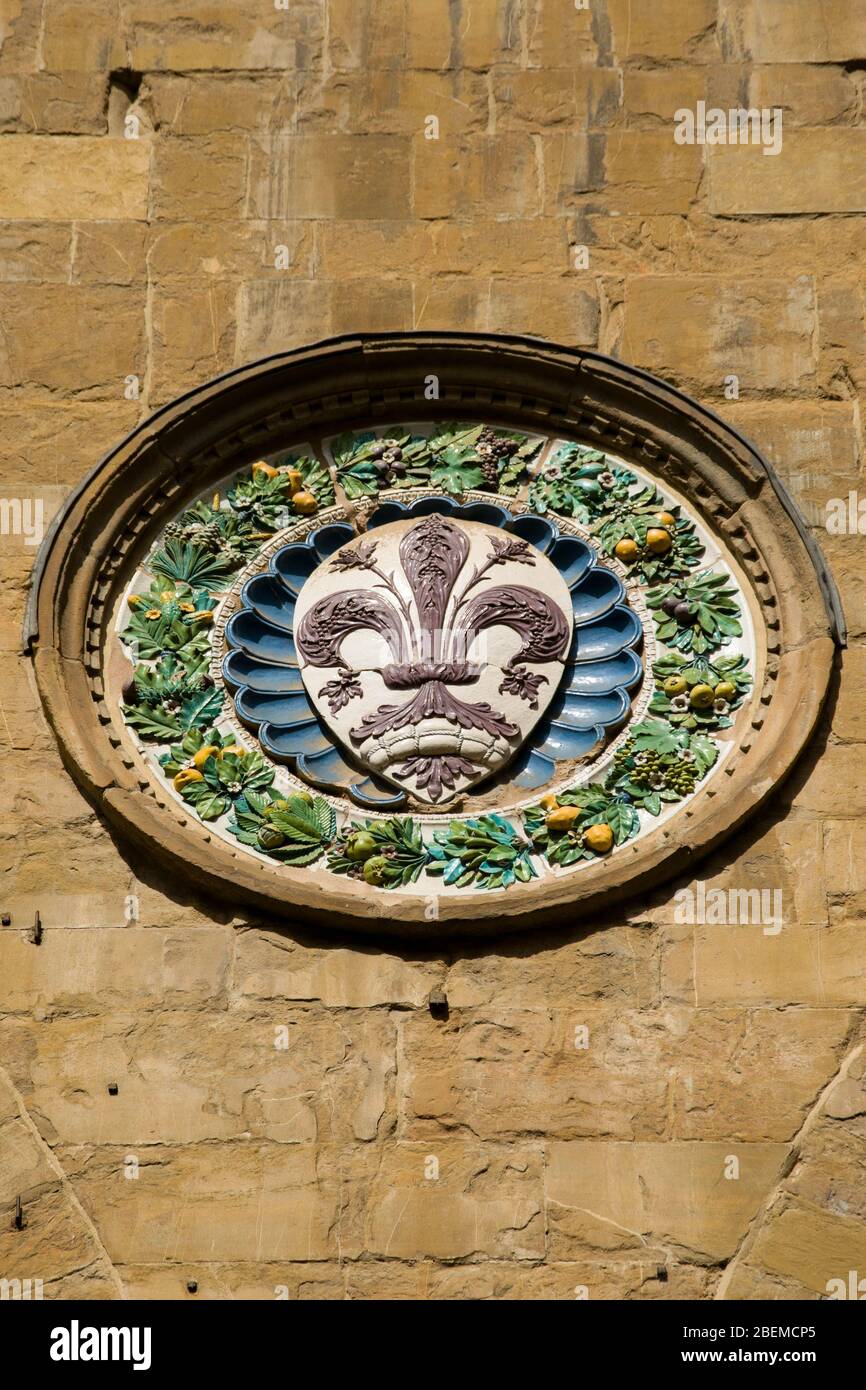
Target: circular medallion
point(429, 670)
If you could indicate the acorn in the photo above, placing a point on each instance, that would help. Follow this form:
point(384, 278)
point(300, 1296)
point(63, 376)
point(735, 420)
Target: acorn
point(296, 480)
point(598, 838)
point(360, 846)
point(674, 685)
point(562, 818)
point(375, 870)
point(136, 600)
point(304, 797)
point(702, 696)
point(666, 519)
point(184, 778)
point(210, 750)
point(658, 540)
point(304, 503)
point(203, 618)
point(269, 837)
point(264, 470)
point(626, 550)
point(726, 690)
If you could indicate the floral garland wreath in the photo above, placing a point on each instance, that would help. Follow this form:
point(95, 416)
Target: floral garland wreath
point(171, 701)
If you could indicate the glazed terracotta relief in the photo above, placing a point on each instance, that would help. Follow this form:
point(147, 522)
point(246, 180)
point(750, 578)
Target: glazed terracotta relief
point(458, 655)
point(431, 633)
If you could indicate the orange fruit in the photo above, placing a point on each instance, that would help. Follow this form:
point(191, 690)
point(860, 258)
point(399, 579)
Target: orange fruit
point(658, 540)
point(626, 550)
point(305, 503)
point(598, 838)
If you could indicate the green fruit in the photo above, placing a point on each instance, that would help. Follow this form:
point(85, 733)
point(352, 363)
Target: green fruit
point(360, 846)
point(702, 696)
point(674, 685)
point(589, 488)
point(375, 870)
point(269, 837)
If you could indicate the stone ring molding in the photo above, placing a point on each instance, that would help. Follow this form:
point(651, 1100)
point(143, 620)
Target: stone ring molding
point(431, 634)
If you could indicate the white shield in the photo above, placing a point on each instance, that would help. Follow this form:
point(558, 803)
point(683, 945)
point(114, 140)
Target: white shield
point(431, 648)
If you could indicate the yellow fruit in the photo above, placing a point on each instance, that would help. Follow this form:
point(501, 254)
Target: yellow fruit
point(264, 470)
point(658, 540)
point(296, 480)
point(204, 618)
point(702, 696)
point(549, 802)
point(726, 690)
point(232, 748)
point(666, 519)
point(625, 550)
point(674, 685)
point(184, 778)
point(598, 838)
point(209, 750)
point(305, 503)
point(562, 818)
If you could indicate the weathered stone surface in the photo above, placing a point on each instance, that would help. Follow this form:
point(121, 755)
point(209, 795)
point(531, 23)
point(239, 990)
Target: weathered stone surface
point(71, 339)
point(271, 967)
point(793, 31)
point(646, 1198)
point(62, 177)
point(237, 1201)
point(202, 178)
point(815, 171)
point(273, 1074)
point(324, 176)
point(38, 252)
point(82, 971)
point(698, 331)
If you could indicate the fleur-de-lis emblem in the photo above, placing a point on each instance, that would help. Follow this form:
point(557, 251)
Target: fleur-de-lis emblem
point(429, 610)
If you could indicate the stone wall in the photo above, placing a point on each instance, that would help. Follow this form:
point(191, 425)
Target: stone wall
point(708, 1141)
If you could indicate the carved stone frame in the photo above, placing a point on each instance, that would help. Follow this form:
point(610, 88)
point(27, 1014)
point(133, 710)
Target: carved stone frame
point(111, 519)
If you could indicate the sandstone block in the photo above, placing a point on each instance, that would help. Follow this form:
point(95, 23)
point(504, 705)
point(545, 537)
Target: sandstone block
point(71, 339)
point(200, 35)
point(793, 31)
point(810, 1246)
point(676, 1193)
point(327, 176)
point(814, 171)
point(267, 968)
point(698, 330)
point(84, 970)
point(561, 309)
point(488, 176)
point(200, 177)
point(61, 177)
point(193, 338)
